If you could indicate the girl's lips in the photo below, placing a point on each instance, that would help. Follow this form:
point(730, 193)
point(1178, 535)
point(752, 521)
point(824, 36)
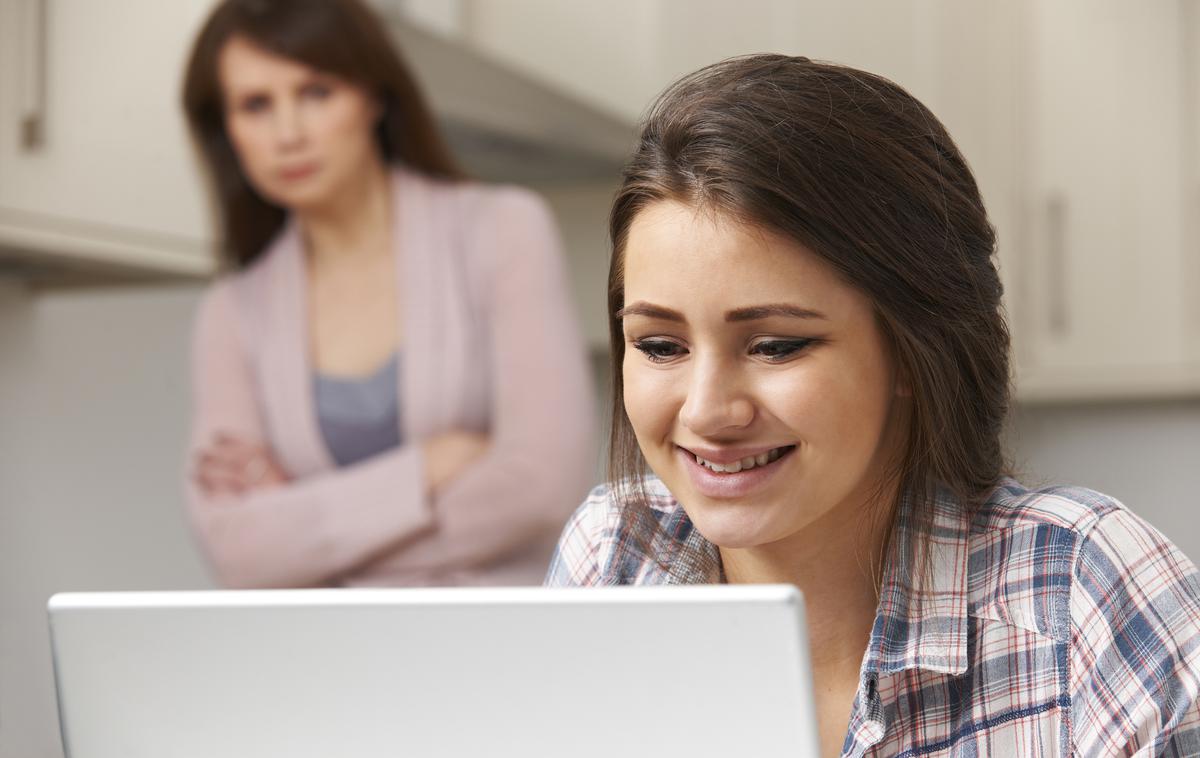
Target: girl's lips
point(298, 172)
point(728, 486)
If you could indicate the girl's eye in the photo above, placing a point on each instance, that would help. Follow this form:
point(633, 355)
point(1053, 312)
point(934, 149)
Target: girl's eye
point(780, 350)
point(317, 91)
point(255, 104)
point(659, 351)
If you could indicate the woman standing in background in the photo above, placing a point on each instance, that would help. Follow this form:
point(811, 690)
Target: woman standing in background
point(390, 387)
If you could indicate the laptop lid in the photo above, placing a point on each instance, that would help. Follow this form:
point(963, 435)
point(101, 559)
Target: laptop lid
point(662, 671)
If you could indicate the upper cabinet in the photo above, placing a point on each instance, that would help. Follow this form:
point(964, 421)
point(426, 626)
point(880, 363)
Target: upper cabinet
point(96, 173)
point(1108, 273)
point(98, 181)
point(1081, 119)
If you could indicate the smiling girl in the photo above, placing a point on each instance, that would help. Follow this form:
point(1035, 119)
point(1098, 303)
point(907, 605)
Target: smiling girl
point(812, 358)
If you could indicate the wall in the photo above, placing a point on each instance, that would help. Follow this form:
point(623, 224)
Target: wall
point(93, 403)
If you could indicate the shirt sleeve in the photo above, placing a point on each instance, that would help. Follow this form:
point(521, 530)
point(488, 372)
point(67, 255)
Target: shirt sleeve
point(1135, 645)
point(312, 530)
point(576, 561)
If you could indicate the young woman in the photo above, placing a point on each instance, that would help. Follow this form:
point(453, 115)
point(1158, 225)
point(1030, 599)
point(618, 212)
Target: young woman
point(811, 357)
point(390, 387)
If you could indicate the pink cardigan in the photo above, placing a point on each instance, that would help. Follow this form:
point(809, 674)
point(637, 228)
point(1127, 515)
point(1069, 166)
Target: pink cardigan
point(491, 344)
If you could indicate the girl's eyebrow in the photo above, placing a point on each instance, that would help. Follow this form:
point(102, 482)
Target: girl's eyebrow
point(751, 313)
point(755, 312)
point(642, 308)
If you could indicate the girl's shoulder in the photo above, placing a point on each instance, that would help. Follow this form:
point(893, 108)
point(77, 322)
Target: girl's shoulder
point(1068, 507)
point(1070, 542)
point(1117, 597)
point(1042, 528)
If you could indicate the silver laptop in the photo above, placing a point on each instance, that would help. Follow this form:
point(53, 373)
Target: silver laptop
point(623, 671)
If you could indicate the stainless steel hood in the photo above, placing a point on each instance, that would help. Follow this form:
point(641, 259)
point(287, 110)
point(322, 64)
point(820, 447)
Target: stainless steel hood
point(502, 124)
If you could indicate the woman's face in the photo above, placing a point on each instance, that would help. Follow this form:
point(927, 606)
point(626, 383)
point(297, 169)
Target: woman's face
point(758, 384)
point(302, 136)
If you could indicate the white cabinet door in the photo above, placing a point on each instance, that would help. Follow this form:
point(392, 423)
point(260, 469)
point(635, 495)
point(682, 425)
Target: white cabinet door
point(1106, 278)
point(114, 178)
point(1191, 194)
point(1081, 119)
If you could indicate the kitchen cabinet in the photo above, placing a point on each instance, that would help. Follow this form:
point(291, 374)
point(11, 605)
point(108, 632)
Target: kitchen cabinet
point(1105, 305)
point(1080, 118)
point(1191, 190)
point(97, 175)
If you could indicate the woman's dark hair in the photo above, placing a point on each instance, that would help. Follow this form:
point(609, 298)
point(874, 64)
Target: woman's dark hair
point(858, 171)
point(341, 37)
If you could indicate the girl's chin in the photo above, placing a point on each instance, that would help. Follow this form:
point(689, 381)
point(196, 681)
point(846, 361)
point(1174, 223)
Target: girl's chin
point(301, 200)
point(732, 530)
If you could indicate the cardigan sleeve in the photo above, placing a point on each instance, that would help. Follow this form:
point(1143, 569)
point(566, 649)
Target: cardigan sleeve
point(312, 530)
point(1135, 643)
point(541, 460)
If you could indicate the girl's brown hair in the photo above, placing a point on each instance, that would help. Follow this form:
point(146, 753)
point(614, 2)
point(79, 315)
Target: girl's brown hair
point(855, 169)
point(341, 37)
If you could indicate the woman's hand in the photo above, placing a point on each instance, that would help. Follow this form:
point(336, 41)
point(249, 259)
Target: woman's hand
point(233, 466)
point(449, 453)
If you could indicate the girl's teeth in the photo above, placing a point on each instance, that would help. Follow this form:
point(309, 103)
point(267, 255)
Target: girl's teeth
point(744, 464)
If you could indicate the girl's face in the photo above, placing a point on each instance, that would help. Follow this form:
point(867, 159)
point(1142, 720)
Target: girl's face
point(758, 384)
point(302, 137)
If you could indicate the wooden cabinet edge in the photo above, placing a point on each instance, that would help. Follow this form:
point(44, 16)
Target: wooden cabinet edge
point(50, 250)
point(1148, 383)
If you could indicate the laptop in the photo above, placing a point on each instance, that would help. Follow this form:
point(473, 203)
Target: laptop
point(580, 672)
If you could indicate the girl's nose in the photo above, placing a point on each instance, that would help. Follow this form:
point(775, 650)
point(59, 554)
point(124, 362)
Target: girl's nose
point(716, 401)
point(289, 126)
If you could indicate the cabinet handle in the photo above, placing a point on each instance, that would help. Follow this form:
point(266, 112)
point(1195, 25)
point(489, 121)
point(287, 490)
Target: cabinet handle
point(32, 88)
point(1056, 264)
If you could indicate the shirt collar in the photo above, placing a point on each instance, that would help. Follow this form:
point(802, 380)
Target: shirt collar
point(921, 621)
point(691, 558)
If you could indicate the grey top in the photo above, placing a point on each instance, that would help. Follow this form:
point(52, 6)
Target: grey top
point(359, 417)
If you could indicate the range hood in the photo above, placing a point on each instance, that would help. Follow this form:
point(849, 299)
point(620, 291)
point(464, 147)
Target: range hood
point(505, 126)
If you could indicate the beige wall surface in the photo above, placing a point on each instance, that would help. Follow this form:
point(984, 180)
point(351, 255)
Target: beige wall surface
point(93, 413)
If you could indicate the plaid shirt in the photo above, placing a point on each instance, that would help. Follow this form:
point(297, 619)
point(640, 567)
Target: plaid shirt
point(1054, 623)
